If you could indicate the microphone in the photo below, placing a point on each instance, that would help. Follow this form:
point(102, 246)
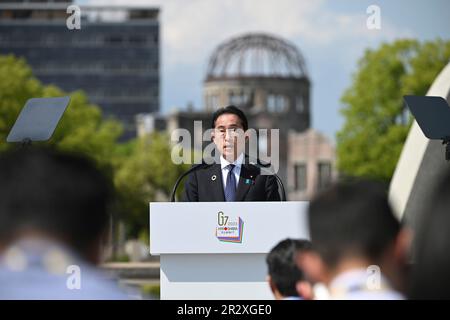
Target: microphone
point(264, 166)
point(193, 168)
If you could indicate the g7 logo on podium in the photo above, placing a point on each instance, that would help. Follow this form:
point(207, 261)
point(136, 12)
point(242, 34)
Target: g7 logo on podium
point(229, 230)
point(222, 219)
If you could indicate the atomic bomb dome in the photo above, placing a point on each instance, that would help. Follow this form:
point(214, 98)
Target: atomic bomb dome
point(256, 55)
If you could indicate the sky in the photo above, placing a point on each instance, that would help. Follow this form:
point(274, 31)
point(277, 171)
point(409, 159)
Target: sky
point(331, 35)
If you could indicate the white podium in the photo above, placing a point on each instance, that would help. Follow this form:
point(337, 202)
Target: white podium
point(217, 250)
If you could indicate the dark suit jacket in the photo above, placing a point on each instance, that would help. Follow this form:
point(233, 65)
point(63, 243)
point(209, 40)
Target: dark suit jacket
point(202, 186)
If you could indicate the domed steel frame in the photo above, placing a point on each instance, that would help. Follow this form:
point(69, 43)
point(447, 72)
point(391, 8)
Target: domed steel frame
point(259, 55)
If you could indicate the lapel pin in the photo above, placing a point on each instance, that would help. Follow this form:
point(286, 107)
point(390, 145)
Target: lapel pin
point(214, 177)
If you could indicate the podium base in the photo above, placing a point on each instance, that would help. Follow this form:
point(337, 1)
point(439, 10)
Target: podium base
point(236, 276)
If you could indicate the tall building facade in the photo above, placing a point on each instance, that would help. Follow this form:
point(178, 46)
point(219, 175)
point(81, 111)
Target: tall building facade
point(114, 57)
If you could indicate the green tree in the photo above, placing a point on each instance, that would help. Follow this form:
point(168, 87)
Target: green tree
point(376, 124)
point(81, 129)
point(145, 173)
point(17, 85)
point(141, 169)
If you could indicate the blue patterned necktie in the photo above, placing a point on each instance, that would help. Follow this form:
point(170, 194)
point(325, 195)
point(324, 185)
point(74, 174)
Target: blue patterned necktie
point(230, 186)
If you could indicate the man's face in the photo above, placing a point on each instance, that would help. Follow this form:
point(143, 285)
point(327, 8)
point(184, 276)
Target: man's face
point(229, 136)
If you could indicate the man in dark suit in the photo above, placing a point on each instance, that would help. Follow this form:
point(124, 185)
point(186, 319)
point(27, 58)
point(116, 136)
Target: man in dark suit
point(234, 178)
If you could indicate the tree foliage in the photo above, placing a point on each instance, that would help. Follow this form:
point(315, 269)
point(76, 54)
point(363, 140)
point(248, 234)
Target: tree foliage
point(81, 128)
point(376, 122)
point(141, 169)
point(146, 174)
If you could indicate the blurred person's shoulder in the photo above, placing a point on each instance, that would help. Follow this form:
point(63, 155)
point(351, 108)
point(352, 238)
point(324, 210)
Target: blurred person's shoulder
point(354, 285)
point(373, 295)
point(43, 270)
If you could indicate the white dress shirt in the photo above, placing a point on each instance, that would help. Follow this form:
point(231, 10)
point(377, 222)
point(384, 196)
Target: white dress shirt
point(237, 169)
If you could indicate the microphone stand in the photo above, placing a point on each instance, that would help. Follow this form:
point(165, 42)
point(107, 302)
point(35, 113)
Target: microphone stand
point(193, 168)
point(279, 181)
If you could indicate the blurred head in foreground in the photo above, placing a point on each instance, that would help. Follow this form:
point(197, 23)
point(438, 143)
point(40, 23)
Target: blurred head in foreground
point(54, 195)
point(53, 217)
point(359, 246)
point(285, 279)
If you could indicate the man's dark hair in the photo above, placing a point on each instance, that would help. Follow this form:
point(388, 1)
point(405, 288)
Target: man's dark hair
point(59, 194)
point(352, 219)
point(282, 266)
point(230, 110)
point(430, 276)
